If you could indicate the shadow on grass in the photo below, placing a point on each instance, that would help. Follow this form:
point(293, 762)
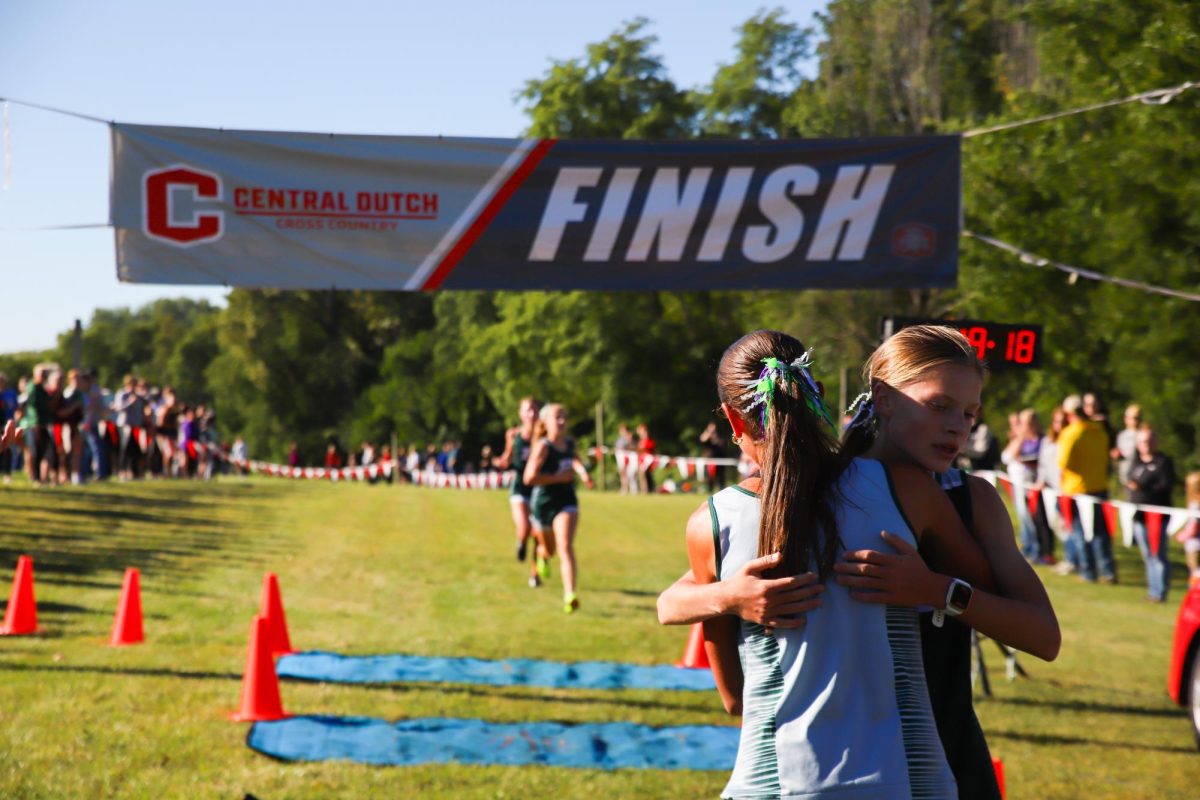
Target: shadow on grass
point(1085, 706)
point(76, 535)
point(64, 608)
point(1057, 740)
point(137, 672)
point(115, 587)
point(518, 693)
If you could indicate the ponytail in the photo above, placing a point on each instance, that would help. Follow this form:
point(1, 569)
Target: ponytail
point(800, 466)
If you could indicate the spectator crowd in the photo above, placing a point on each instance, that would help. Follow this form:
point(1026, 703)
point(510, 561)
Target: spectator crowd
point(1080, 454)
point(69, 429)
point(72, 430)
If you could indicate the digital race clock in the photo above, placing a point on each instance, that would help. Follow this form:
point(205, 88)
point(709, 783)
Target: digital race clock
point(1002, 345)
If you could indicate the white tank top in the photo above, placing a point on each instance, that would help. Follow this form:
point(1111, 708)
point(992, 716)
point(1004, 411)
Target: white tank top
point(839, 707)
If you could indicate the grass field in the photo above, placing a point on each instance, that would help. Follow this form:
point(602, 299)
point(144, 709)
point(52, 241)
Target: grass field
point(388, 569)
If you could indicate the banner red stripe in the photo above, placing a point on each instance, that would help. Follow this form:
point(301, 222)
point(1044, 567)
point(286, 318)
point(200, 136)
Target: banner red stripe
point(535, 156)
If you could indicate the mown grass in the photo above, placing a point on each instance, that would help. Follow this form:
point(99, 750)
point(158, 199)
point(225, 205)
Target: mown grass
point(376, 569)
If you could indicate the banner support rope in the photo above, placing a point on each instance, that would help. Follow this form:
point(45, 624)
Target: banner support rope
point(54, 110)
point(1075, 272)
point(1154, 97)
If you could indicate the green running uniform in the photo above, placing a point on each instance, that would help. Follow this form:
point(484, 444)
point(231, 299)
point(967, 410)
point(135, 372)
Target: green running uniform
point(521, 491)
point(550, 500)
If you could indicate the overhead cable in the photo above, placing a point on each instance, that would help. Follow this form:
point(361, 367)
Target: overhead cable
point(1076, 272)
point(1154, 97)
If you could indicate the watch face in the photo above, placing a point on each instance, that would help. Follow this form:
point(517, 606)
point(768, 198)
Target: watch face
point(960, 595)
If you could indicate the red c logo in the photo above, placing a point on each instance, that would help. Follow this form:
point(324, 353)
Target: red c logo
point(158, 214)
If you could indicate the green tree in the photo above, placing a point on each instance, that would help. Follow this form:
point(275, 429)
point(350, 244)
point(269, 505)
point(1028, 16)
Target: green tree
point(619, 90)
point(747, 97)
point(293, 364)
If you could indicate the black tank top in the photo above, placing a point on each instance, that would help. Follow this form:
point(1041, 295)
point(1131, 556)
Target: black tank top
point(946, 652)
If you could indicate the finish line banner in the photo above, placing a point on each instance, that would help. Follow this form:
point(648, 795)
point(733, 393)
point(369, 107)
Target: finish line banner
point(316, 211)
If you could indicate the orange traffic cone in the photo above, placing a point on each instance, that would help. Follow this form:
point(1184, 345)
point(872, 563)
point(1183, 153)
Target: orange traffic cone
point(271, 609)
point(260, 684)
point(21, 614)
point(998, 765)
point(127, 625)
point(694, 654)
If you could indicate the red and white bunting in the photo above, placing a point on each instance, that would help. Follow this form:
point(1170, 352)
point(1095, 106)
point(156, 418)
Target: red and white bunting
point(1061, 508)
point(1085, 506)
point(383, 468)
point(688, 466)
point(474, 480)
point(1050, 503)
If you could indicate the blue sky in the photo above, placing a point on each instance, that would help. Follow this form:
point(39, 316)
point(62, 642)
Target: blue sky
point(355, 66)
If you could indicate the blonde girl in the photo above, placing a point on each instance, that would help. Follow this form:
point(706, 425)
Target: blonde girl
point(554, 507)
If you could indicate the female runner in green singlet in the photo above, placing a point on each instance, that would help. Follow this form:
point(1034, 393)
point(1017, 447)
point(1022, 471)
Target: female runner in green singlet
point(554, 508)
point(517, 444)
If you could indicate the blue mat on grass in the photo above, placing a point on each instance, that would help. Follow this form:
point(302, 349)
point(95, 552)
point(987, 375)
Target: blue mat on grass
point(319, 666)
point(612, 745)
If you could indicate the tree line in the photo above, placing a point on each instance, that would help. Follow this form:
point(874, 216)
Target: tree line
point(1114, 190)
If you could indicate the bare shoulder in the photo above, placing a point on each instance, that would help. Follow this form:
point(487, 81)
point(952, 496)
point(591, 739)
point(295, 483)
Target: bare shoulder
point(983, 494)
point(909, 479)
point(921, 498)
point(699, 524)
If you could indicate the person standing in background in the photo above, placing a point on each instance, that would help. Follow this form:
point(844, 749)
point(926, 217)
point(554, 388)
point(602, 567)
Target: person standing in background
point(624, 443)
point(8, 408)
point(1125, 449)
point(712, 442)
point(95, 413)
point(35, 420)
point(239, 454)
point(1048, 477)
point(1150, 481)
point(981, 450)
point(130, 408)
point(69, 418)
point(646, 449)
point(1083, 458)
point(1020, 456)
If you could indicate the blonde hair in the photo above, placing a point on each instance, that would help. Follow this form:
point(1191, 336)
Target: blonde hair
point(905, 358)
point(539, 427)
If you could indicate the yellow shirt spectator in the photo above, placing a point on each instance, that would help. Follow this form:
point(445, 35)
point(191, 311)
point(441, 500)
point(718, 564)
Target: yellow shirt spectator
point(1083, 457)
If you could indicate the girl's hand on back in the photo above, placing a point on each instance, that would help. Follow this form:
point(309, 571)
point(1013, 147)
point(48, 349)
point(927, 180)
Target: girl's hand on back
point(898, 579)
point(773, 602)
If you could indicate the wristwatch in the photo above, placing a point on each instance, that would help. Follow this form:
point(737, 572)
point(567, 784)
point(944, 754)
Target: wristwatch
point(958, 597)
